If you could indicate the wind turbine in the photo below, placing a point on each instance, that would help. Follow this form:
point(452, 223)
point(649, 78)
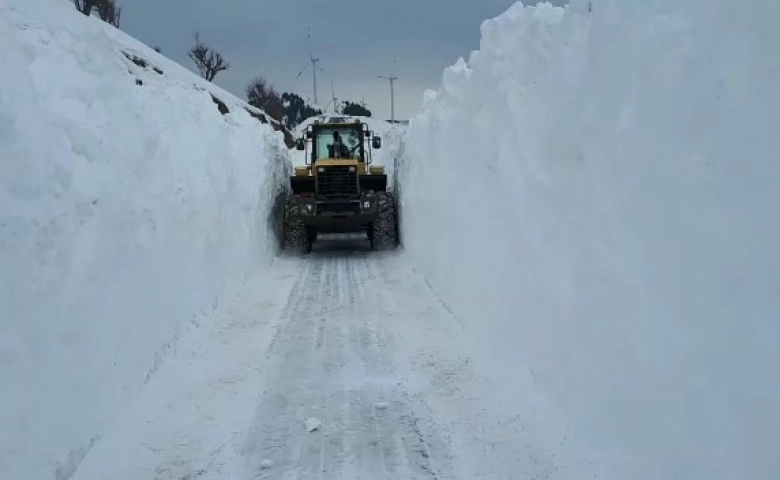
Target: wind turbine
point(313, 62)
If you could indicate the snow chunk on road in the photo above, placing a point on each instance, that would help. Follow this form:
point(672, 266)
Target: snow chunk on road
point(312, 424)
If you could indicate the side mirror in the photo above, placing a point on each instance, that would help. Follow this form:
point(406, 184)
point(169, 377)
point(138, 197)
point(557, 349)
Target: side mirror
point(300, 145)
point(376, 142)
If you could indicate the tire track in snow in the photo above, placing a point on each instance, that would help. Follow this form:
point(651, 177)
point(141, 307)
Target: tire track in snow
point(334, 360)
point(272, 434)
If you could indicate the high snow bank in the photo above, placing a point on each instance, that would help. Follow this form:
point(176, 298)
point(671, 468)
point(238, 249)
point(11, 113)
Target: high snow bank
point(128, 205)
point(595, 195)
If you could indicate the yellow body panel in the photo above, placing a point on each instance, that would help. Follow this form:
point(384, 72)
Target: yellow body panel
point(302, 171)
point(376, 169)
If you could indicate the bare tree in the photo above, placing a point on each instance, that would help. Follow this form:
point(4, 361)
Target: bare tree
point(109, 12)
point(208, 61)
point(107, 9)
point(85, 6)
point(261, 94)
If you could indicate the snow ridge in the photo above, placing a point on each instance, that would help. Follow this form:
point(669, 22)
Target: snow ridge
point(595, 193)
point(130, 207)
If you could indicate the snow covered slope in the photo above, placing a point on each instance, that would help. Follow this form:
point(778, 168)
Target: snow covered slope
point(129, 208)
point(595, 195)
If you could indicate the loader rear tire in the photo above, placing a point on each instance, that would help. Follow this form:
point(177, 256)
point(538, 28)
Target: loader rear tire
point(298, 238)
point(383, 232)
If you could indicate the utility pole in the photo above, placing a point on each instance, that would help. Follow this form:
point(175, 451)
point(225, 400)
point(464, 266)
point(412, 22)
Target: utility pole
point(392, 96)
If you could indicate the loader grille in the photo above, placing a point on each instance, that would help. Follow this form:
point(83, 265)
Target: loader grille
point(337, 182)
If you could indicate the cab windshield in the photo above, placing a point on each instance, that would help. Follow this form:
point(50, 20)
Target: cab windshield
point(338, 142)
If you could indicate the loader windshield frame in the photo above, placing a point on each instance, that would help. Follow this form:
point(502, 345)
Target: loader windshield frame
point(352, 136)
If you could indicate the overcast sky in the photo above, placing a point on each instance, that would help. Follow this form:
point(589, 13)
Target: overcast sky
point(356, 40)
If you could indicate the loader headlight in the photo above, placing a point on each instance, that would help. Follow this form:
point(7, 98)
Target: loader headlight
point(321, 170)
point(351, 169)
point(366, 205)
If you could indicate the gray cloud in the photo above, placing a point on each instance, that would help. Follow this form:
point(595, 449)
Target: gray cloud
point(356, 40)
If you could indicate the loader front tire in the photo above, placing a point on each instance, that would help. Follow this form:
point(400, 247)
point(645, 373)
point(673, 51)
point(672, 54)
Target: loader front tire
point(298, 238)
point(383, 231)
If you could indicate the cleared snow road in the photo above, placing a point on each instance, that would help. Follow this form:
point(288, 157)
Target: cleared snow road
point(339, 365)
point(336, 363)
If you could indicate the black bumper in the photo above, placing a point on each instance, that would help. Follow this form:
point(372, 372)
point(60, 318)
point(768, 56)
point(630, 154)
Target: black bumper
point(334, 216)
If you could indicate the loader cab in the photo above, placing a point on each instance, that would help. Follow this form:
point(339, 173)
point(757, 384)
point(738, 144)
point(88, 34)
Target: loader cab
point(335, 146)
point(345, 141)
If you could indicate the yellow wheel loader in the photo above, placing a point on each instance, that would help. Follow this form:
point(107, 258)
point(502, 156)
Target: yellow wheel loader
point(339, 189)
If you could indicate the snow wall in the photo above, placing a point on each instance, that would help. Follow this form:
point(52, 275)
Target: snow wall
point(129, 207)
point(594, 194)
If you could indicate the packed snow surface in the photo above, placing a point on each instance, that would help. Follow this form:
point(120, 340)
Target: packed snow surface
point(339, 365)
point(595, 194)
point(130, 208)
